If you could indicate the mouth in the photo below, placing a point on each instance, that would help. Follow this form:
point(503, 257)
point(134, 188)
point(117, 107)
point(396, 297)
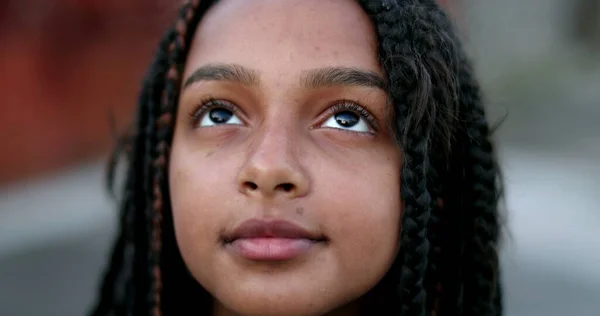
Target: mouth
point(271, 240)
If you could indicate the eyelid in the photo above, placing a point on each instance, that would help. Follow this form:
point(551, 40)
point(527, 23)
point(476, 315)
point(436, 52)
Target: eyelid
point(353, 106)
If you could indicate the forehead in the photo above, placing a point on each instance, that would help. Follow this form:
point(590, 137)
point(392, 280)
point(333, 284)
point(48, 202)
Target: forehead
point(292, 35)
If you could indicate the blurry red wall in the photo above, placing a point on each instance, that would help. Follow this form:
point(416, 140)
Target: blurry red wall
point(67, 67)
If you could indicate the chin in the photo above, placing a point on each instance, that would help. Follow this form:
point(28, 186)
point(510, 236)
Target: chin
point(268, 303)
point(269, 307)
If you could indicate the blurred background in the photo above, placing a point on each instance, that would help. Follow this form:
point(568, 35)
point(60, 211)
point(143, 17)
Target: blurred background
point(71, 70)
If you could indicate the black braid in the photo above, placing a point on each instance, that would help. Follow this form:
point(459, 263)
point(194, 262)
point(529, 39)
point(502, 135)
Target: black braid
point(448, 263)
point(414, 241)
point(481, 249)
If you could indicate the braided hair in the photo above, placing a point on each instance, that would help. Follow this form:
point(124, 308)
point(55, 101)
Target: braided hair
point(448, 262)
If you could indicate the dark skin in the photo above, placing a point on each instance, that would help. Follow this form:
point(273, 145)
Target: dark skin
point(296, 130)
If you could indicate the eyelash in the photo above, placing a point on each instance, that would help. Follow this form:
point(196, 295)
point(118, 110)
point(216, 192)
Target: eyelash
point(352, 106)
point(210, 103)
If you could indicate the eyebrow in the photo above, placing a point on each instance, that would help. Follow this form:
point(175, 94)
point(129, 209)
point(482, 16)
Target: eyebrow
point(223, 72)
point(312, 79)
point(342, 76)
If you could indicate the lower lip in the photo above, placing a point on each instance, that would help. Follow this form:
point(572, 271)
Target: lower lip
point(271, 248)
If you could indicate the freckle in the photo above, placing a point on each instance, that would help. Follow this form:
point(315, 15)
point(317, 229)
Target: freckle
point(210, 153)
point(300, 210)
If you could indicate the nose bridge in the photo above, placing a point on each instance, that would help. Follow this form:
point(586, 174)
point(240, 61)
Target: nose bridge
point(272, 164)
point(275, 144)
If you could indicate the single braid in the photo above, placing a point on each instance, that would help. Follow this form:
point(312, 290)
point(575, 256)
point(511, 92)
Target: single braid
point(164, 127)
point(414, 241)
point(178, 290)
point(155, 210)
point(433, 280)
point(482, 252)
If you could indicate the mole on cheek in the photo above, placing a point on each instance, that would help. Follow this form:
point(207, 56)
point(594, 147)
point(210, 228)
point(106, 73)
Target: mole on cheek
point(210, 153)
point(300, 210)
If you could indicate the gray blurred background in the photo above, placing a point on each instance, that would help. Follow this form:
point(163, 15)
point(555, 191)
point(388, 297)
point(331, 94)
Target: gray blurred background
point(539, 62)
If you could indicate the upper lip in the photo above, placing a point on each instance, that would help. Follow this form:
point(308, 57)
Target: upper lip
point(257, 228)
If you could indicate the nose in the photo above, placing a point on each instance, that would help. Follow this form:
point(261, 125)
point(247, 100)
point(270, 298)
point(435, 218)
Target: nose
point(272, 168)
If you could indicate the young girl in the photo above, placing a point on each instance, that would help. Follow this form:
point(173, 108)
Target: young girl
point(308, 157)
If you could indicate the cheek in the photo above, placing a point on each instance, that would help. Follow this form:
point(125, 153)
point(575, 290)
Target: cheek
point(364, 219)
point(368, 225)
point(195, 204)
point(189, 212)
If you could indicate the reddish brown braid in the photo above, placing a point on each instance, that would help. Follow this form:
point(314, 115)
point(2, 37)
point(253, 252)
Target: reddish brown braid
point(164, 129)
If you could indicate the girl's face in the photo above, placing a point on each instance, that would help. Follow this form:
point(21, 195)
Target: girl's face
point(284, 173)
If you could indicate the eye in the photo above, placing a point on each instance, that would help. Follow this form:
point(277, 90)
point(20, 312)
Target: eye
point(216, 112)
point(350, 116)
point(218, 116)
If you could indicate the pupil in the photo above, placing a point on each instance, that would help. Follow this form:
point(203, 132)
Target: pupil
point(346, 119)
point(220, 115)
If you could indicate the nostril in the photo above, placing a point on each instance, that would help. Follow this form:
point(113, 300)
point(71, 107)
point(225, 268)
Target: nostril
point(251, 185)
point(287, 187)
